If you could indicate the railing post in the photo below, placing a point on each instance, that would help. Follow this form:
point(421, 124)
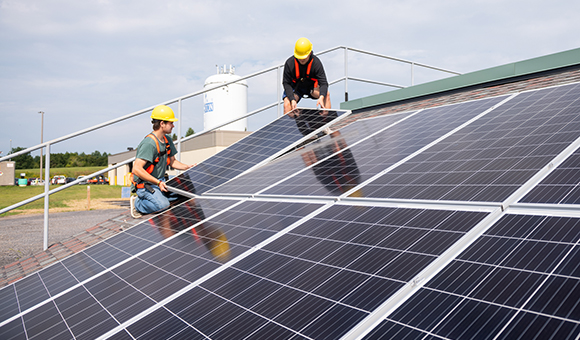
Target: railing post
point(179, 130)
point(46, 195)
point(346, 74)
point(412, 73)
point(278, 94)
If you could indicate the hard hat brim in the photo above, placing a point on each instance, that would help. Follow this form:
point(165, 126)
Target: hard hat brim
point(301, 56)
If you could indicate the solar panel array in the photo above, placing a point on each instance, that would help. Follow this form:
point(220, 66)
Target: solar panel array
point(455, 222)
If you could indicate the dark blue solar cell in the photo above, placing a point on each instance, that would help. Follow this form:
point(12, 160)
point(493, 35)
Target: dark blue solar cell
point(119, 298)
point(536, 327)
point(13, 330)
point(561, 186)
point(30, 291)
point(75, 306)
point(8, 303)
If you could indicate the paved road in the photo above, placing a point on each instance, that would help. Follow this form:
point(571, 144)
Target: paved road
point(21, 236)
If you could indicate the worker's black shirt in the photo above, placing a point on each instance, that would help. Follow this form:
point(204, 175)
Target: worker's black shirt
point(305, 84)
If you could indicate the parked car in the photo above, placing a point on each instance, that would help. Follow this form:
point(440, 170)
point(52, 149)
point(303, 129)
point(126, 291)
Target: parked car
point(98, 180)
point(58, 180)
point(35, 181)
point(84, 181)
point(69, 179)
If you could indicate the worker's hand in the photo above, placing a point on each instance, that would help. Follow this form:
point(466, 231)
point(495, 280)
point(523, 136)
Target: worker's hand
point(320, 103)
point(293, 112)
point(163, 186)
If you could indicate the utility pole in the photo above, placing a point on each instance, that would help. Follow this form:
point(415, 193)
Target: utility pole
point(10, 149)
point(41, 138)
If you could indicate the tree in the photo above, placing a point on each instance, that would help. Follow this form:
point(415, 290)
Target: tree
point(174, 137)
point(23, 161)
point(189, 132)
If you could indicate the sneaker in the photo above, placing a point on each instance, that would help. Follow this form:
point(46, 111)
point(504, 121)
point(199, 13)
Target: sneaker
point(134, 212)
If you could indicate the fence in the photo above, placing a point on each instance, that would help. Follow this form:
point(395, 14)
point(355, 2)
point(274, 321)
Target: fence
point(279, 68)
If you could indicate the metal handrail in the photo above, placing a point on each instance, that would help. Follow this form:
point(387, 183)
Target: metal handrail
point(178, 100)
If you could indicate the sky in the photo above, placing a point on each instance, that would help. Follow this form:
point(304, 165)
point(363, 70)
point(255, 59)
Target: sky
point(84, 63)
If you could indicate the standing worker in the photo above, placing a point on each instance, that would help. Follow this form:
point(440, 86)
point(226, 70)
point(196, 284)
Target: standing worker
point(155, 152)
point(304, 77)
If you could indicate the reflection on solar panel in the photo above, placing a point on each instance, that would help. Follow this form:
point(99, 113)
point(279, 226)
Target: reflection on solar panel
point(381, 151)
point(264, 144)
point(438, 249)
point(288, 165)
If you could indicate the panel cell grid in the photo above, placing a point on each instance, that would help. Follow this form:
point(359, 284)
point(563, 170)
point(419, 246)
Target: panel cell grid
point(515, 282)
point(492, 157)
point(251, 150)
point(287, 165)
point(323, 277)
point(114, 297)
point(562, 186)
point(362, 161)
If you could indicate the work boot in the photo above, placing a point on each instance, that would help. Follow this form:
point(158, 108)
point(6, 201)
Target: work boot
point(134, 212)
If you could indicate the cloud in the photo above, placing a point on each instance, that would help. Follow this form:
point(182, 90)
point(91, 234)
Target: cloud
point(86, 62)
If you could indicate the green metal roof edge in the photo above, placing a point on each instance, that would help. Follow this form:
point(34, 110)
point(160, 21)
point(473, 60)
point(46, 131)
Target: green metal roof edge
point(525, 67)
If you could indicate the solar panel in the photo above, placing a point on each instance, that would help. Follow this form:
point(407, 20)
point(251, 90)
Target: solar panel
point(287, 165)
point(308, 264)
point(140, 281)
point(270, 141)
point(518, 281)
point(318, 279)
point(377, 153)
point(492, 157)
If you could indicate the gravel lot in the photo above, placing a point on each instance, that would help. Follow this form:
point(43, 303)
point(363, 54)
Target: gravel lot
point(21, 236)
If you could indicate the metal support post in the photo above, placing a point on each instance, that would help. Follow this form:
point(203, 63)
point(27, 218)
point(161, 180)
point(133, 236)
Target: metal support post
point(278, 94)
point(346, 74)
point(412, 73)
point(46, 195)
point(179, 130)
point(41, 138)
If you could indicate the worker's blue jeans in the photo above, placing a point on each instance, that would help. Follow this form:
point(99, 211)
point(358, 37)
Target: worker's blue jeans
point(148, 203)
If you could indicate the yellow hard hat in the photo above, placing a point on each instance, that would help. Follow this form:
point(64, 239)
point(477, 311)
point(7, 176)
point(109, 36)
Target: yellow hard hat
point(302, 48)
point(163, 112)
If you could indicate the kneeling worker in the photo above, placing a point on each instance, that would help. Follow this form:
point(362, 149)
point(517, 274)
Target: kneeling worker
point(304, 76)
point(155, 152)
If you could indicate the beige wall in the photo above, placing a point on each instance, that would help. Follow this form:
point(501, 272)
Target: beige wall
point(7, 171)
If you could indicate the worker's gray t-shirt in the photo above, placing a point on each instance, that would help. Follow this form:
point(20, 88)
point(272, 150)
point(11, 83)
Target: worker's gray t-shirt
point(147, 150)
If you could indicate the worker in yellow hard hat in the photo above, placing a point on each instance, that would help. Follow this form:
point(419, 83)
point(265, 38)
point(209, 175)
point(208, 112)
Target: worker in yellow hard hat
point(304, 77)
point(155, 152)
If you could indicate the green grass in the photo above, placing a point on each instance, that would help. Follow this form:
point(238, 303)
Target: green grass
point(10, 195)
point(68, 172)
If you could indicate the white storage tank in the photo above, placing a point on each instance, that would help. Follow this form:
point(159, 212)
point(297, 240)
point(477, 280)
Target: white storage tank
point(226, 103)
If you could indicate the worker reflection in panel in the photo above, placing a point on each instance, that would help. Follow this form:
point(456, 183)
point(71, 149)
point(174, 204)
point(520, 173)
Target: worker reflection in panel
point(208, 234)
point(339, 173)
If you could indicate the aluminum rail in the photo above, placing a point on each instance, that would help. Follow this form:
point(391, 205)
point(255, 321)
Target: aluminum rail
point(193, 94)
point(394, 59)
